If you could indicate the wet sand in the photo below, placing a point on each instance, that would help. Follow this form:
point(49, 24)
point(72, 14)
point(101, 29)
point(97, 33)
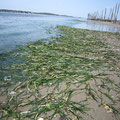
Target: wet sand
point(99, 109)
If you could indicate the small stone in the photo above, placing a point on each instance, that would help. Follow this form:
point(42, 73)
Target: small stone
point(40, 119)
point(7, 78)
point(12, 92)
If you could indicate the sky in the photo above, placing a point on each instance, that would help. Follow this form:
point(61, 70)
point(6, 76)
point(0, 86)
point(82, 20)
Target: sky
point(77, 8)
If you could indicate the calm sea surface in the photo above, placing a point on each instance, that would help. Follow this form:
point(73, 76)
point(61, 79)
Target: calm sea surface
point(20, 29)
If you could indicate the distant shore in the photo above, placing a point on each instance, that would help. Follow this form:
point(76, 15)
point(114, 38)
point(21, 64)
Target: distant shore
point(29, 12)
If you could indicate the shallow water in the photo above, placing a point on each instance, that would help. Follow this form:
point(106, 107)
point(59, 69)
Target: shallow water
point(91, 25)
point(20, 29)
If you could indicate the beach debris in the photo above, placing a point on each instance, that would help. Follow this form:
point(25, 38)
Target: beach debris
point(107, 108)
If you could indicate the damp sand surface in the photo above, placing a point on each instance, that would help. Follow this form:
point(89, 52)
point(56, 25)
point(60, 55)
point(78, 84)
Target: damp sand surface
point(75, 76)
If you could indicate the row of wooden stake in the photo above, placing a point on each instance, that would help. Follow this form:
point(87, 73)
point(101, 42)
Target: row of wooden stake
point(106, 15)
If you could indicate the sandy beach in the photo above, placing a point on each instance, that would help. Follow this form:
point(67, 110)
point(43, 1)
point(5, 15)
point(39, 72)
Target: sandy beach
point(75, 78)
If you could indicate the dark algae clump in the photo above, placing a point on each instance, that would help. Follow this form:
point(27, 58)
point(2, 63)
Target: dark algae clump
point(64, 79)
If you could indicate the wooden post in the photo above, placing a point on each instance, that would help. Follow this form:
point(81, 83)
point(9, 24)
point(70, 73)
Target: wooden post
point(105, 14)
point(110, 14)
point(117, 11)
point(102, 15)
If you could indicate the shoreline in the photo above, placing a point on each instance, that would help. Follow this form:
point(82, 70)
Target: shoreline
point(74, 74)
point(29, 12)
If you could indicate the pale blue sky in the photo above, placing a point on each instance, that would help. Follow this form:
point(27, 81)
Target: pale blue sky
point(78, 8)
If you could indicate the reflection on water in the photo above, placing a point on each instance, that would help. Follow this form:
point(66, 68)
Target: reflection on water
point(96, 26)
point(20, 29)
